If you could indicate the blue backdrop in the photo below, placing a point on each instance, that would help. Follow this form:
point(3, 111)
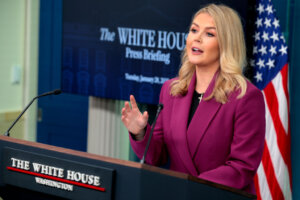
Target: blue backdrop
point(112, 49)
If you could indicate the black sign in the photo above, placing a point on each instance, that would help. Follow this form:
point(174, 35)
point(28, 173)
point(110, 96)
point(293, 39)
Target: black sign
point(50, 175)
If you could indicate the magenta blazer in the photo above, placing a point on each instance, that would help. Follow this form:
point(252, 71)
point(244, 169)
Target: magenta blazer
point(223, 143)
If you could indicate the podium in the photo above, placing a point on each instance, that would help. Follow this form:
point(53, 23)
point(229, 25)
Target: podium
point(31, 170)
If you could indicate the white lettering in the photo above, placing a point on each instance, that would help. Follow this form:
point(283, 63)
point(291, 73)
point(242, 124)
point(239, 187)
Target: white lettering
point(55, 184)
point(70, 175)
point(132, 77)
point(14, 161)
point(151, 41)
point(137, 37)
point(83, 178)
point(77, 176)
point(45, 169)
point(91, 179)
point(106, 35)
point(141, 78)
point(147, 79)
point(157, 56)
point(133, 53)
point(145, 38)
point(36, 167)
point(171, 42)
point(20, 164)
point(162, 39)
point(132, 37)
point(180, 40)
point(48, 170)
point(97, 181)
point(123, 34)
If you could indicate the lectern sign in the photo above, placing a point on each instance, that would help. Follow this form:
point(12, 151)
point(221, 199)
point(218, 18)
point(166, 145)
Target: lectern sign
point(56, 176)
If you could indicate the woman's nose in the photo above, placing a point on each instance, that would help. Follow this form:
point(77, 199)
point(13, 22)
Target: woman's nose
point(199, 38)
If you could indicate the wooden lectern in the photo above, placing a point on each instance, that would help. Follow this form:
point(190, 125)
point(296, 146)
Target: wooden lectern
point(31, 170)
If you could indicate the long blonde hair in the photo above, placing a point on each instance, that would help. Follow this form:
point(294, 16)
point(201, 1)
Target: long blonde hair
point(232, 56)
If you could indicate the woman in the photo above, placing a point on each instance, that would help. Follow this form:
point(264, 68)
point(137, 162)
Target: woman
point(213, 122)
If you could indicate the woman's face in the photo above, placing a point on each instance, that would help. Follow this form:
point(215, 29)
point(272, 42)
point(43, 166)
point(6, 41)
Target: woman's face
point(202, 43)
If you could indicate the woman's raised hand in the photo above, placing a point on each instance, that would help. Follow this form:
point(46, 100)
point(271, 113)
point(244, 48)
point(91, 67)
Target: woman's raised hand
point(133, 119)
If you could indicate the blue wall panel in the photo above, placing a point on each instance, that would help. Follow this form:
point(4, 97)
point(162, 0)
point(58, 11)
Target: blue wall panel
point(294, 93)
point(289, 21)
point(63, 119)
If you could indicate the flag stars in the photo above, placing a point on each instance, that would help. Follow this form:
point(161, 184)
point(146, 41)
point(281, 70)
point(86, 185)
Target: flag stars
point(265, 36)
point(255, 50)
point(270, 63)
point(267, 22)
point(283, 39)
point(269, 44)
point(283, 49)
point(260, 8)
point(258, 22)
point(257, 36)
point(272, 50)
point(258, 77)
point(261, 63)
point(263, 49)
point(274, 37)
point(269, 9)
point(276, 23)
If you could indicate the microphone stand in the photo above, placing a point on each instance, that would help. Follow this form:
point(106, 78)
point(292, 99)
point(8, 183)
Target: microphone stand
point(160, 107)
point(55, 92)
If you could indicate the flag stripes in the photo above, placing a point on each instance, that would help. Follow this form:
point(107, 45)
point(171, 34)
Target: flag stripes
point(272, 182)
point(275, 169)
point(273, 103)
point(263, 189)
point(278, 163)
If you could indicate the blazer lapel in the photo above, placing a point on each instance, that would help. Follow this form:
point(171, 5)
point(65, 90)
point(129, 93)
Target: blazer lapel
point(202, 118)
point(180, 112)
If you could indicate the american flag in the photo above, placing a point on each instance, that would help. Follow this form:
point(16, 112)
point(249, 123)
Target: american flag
point(270, 62)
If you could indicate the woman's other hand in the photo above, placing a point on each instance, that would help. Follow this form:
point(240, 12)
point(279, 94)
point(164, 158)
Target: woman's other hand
point(133, 119)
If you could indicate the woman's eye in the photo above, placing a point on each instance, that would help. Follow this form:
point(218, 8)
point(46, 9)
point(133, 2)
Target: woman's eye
point(210, 34)
point(193, 30)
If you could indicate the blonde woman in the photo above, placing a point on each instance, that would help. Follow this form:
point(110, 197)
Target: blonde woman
point(213, 122)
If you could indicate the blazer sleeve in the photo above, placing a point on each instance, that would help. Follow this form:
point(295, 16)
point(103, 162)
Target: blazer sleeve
point(247, 144)
point(157, 151)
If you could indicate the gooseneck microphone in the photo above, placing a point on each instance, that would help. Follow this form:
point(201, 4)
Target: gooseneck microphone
point(160, 107)
point(55, 92)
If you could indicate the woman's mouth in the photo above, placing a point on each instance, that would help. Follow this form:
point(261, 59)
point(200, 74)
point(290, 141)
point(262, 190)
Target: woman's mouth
point(196, 50)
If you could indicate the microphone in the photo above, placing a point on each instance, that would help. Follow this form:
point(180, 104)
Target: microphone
point(160, 107)
point(55, 92)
